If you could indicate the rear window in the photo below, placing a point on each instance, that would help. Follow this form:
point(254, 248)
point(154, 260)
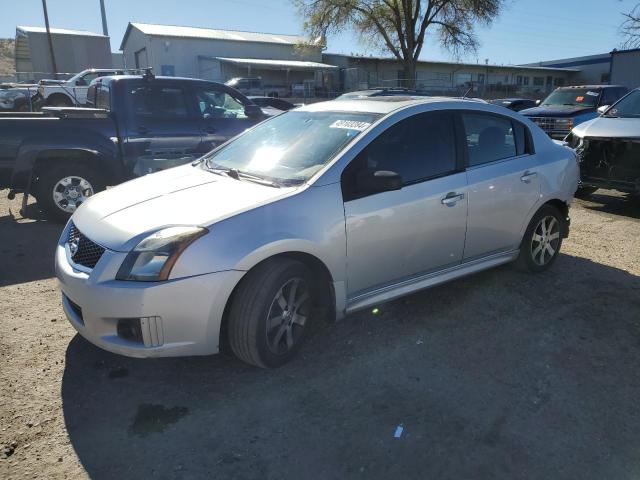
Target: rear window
point(103, 97)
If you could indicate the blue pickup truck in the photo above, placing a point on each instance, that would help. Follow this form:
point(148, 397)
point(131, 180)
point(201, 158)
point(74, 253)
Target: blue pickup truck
point(139, 124)
point(567, 107)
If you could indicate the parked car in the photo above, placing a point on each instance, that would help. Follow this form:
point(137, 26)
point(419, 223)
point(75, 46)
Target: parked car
point(609, 148)
point(67, 93)
point(515, 104)
point(141, 124)
point(272, 102)
point(255, 86)
point(568, 107)
point(19, 99)
point(341, 204)
point(381, 92)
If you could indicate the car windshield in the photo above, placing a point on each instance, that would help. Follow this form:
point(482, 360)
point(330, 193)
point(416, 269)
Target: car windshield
point(628, 107)
point(579, 97)
point(291, 147)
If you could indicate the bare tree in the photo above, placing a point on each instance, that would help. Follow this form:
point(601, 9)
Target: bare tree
point(400, 26)
point(630, 28)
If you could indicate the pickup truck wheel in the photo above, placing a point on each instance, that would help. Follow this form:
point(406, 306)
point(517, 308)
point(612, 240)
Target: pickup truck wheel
point(542, 240)
point(270, 312)
point(59, 101)
point(63, 188)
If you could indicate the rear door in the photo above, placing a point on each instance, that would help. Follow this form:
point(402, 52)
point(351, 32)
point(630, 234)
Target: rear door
point(504, 183)
point(163, 130)
point(419, 228)
point(221, 115)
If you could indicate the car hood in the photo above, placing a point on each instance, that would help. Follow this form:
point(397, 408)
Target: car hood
point(555, 111)
point(52, 82)
point(609, 127)
point(119, 217)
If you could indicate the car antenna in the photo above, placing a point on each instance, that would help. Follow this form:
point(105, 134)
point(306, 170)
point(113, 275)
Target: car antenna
point(148, 74)
point(466, 93)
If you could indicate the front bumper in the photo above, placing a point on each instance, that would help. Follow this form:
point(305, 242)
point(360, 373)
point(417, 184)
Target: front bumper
point(178, 317)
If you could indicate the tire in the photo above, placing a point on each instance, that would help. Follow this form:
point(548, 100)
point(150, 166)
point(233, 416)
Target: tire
point(58, 183)
point(532, 257)
point(585, 192)
point(59, 101)
point(259, 326)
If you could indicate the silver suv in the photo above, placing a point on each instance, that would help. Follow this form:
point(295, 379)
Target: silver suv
point(342, 204)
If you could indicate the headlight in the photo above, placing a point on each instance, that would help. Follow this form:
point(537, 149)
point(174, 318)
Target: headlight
point(565, 123)
point(155, 256)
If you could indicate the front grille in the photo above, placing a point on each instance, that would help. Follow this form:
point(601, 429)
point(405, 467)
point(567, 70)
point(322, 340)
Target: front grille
point(548, 124)
point(83, 251)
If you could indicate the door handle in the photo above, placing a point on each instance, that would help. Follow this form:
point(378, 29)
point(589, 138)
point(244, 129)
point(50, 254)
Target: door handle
point(210, 129)
point(452, 198)
point(527, 176)
point(142, 129)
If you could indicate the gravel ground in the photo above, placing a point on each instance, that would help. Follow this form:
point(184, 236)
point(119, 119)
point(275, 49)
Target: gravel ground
point(498, 375)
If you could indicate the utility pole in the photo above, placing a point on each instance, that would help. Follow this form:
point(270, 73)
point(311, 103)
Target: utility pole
point(105, 30)
point(46, 23)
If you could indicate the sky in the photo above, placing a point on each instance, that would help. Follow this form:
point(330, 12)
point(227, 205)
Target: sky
point(526, 31)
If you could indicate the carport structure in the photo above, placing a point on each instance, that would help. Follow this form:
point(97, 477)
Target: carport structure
point(296, 72)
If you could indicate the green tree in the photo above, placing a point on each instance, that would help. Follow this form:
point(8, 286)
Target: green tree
point(400, 26)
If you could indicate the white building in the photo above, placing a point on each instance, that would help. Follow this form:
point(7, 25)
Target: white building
point(625, 68)
point(75, 50)
point(223, 54)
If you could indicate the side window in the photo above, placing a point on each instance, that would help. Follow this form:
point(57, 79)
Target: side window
point(165, 102)
point(489, 138)
point(417, 148)
point(171, 102)
point(218, 104)
point(142, 101)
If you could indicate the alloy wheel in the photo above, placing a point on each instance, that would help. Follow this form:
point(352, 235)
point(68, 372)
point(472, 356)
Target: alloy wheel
point(70, 192)
point(287, 316)
point(545, 240)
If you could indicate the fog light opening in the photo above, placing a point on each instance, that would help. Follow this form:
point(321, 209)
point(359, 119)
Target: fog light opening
point(129, 329)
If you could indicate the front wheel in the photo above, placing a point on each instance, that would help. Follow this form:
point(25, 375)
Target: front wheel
point(61, 189)
point(270, 313)
point(542, 240)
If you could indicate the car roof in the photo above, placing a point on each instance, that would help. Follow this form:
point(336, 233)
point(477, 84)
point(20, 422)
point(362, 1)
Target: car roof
point(382, 105)
point(591, 87)
point(120, 78)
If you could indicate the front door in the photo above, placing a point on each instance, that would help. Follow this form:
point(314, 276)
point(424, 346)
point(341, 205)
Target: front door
point(222, 116)
point(163, 130)
point(504, 183)
point(419, 228)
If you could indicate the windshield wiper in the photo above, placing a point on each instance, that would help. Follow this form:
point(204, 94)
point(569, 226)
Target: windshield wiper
point(239, 175)
point(226, 171)
point(256, 179)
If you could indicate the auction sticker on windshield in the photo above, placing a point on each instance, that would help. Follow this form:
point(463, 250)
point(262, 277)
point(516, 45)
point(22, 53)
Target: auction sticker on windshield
point(350, 125)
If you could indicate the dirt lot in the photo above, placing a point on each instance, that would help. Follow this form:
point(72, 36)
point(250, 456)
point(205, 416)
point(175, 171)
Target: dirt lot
point(500, 375)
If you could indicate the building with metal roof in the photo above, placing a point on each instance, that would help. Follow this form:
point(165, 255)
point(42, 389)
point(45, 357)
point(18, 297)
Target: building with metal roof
point(447, 78)
point(75, 50)
point(219, 55)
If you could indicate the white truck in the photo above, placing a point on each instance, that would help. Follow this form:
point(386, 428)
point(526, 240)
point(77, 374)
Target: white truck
point(73, 92)
point(255, 86)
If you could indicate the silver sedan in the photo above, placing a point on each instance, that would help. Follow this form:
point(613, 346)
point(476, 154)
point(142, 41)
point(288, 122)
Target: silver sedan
point(335, 206)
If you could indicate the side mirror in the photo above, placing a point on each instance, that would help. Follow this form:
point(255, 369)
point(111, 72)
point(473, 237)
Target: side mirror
point(603, 109)
point(369, 181)
point(81, 82)
point(253, 111)
point(538, 102)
